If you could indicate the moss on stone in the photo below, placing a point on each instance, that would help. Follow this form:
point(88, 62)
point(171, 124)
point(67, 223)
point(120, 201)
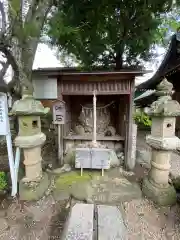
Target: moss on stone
point(176, 183)
point(70, 157)
point(27, 193)
point(68, 179)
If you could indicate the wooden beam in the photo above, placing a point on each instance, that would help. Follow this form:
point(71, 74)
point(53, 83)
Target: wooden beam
point(89, 137)
point(99, 93)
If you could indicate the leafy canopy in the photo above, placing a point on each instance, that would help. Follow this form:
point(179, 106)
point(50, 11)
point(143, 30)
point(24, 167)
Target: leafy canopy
point(108, 32)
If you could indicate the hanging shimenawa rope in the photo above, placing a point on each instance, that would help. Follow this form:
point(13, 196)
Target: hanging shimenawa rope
point(106, 106)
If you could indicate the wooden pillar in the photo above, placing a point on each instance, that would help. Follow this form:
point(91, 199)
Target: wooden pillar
point(129, 165)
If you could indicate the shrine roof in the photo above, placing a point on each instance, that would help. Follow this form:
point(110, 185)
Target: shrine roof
point(168, 67)
point(78, 72)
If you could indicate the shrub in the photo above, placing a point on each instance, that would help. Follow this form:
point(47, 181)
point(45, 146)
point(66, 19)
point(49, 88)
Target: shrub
point(3, 181)
point(141, 118)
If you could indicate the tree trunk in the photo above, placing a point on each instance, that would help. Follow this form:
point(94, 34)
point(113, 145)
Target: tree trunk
point(118, 61)
point(21, 47)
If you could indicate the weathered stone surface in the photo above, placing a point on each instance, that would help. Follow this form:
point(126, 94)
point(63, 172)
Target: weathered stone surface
point(79, 226)
point(3, 225)
point(29, 106)
point(169, 143)
point(35, 192)
point(65, 168)
point(74, 185)
point(114, 191)
point(114, 161)
point(30, 141)
point(164, 106)
point(82, 192)
point(143, 157)
point(118, 147)
point(162, 141)
point(69, 158)
point(110, 223)
point(163, 196)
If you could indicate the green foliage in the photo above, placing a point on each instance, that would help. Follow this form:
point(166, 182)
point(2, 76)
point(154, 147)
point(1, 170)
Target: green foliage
point(108, 33)
point(3, 181)
point(170, 24)
point(142, 119)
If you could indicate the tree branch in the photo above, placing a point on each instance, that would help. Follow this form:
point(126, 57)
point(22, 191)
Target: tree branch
point(31, 11)
point(5, 66)
point(38, 13)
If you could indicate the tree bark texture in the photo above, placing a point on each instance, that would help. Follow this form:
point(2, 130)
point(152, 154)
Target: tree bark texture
point(19, 46)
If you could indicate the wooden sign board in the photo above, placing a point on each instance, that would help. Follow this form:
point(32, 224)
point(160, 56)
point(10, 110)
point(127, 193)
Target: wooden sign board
point(59, 112)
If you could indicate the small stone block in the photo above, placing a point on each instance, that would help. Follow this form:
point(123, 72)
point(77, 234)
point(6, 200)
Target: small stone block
point(80, 223)
point(110, 223)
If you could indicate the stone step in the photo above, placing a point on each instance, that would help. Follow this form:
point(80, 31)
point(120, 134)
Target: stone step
point(89, 222)
point(110, 223)
point(79, 226)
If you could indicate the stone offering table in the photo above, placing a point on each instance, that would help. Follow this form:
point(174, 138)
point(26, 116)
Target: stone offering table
point(162, 141)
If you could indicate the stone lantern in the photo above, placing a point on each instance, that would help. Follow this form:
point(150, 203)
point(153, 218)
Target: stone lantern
point(162, 141)
point(30, 139)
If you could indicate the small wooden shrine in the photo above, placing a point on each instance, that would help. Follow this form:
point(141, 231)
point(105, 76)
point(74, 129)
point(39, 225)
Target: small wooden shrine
point(114, 106)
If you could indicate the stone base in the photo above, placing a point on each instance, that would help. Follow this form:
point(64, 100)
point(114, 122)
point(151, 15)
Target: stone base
point(161, 196)
point(34, 193)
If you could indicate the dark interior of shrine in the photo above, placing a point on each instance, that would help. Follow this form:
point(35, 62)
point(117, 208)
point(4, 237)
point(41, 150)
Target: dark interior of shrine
point(111, 114)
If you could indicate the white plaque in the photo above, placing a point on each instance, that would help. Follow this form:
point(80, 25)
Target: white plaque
point(59, 112)
point(4, 120)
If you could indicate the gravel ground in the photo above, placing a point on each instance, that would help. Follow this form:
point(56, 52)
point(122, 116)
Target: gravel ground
point(145, 221)
point(41, 220)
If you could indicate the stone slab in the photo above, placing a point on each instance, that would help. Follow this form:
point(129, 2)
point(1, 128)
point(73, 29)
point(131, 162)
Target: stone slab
point(114, 191)
point(79, 226)
point(110, 223)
